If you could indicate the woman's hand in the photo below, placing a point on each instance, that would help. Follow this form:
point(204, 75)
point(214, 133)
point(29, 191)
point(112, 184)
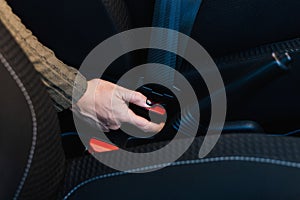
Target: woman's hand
point(106, 103)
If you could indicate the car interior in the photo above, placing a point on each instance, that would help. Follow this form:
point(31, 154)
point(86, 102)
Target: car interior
point(256, 47)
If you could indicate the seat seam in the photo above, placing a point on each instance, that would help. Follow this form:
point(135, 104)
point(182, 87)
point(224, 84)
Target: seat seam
point(189, 162)
point(34, 123)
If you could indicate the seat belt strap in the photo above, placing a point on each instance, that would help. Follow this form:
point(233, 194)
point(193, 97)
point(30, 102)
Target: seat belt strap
point(177, 15)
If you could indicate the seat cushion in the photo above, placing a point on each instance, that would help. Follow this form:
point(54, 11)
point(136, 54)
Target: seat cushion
point(241, 166)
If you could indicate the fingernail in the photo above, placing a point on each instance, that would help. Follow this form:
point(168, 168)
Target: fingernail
point(149, 103)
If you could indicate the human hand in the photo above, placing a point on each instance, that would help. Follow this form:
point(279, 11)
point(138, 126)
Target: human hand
point(106, 104)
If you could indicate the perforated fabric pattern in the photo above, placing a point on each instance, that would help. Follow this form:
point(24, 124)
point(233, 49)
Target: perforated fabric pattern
point(45, 165)
point(249, 147)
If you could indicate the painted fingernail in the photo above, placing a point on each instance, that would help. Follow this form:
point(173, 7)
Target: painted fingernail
point(149, 103)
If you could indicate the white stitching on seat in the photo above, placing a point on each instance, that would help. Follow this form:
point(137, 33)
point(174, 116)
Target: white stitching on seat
point(187, 162)
point(34, 122)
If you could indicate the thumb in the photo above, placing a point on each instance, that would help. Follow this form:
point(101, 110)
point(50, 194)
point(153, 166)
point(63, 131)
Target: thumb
point(143, 124)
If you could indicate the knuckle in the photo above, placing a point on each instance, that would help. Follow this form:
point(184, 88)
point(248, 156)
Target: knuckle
point(147, 128)
point(115, 127)
point(139, 95)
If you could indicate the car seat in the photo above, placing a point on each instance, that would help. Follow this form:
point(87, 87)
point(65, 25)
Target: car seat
point(33, 165)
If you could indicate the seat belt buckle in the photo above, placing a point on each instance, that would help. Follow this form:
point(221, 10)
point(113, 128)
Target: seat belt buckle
point(99, 146)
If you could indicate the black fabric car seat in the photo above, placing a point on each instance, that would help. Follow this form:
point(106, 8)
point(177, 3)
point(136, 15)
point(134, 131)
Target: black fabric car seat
point(31, 155)
point(241, 166)
point(33, 166)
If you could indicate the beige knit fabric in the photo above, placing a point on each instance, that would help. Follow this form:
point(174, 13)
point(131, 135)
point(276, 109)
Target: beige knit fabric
point(57, 76)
